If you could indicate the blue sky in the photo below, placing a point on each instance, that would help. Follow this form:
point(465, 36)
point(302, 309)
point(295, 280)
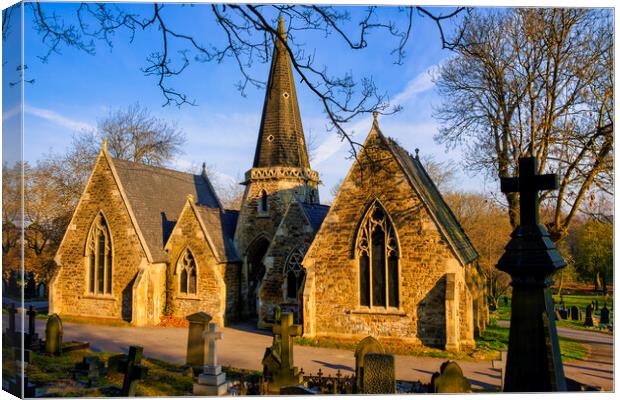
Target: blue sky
point(73, 90)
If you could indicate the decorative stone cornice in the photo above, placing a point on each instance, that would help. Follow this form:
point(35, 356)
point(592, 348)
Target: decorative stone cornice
point(269, 173)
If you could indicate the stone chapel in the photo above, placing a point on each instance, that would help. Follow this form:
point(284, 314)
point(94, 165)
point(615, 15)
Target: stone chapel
point(387, 259)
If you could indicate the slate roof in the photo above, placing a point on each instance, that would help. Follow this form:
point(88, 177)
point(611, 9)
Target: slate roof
point(220, 226)
point(281, 139)
point(157, 196)
point(437, 206)
point(316, 214)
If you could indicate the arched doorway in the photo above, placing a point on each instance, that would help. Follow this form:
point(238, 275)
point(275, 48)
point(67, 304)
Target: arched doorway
point(256, 272)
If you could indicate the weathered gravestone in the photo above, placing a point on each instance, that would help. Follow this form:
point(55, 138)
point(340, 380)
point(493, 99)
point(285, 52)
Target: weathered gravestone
point(41, 290)
point(129, 366)
point(574, 313)
point(53, 335)
point(534, 363)
point(604, 315)
point(32, 338)
point(10, 336)
point(212, 381)
point(198, 323)
point(589, 311)
point(501, 365)
point(367, 345)
point(91, 368)
point(450, 379)
point(278, 366)
point(379, 374)
point(20, 360)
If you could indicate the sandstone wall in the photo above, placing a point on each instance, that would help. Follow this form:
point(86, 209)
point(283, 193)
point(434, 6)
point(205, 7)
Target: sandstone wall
point(294, 232)
point(70, 288)
point(211, 296)
point(331, 295)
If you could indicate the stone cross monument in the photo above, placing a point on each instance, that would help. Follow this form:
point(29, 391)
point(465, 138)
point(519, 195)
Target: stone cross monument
point(533, 363)
point(212, 381)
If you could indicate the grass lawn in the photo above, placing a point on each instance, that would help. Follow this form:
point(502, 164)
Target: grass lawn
point(163, 379)
point(400, 348)
point(495, 340)
point(581, 301)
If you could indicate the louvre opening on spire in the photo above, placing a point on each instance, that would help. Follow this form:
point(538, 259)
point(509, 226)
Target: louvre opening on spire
point(281, 136)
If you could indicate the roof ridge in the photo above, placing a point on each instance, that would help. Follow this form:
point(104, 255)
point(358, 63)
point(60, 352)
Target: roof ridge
point(155, 167)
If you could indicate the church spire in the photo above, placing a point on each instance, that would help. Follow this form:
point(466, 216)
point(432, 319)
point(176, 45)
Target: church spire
point(281, 136)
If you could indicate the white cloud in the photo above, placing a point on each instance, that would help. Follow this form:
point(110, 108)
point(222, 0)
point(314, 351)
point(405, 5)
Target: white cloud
point(7, 115)
point(58, 119)
point(421, 83)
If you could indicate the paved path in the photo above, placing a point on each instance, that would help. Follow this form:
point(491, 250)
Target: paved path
point(243, 347)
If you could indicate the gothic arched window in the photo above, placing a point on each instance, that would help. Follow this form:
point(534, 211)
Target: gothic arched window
point(294, 273)
point(186, 268)
point(377, 252)
point(99, 256)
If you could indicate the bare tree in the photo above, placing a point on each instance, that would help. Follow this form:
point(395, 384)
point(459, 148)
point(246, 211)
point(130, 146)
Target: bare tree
point(247, 32)
point(443, 173)
point(534, 82)
point(132, 134)
point(477, 213)
point(11, 206)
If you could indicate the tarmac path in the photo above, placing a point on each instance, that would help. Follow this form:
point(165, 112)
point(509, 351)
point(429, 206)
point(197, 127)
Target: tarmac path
point(243, 347)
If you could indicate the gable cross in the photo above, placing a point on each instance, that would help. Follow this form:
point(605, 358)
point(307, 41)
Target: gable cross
point(210, 336)
point(287, 331)
point(528, 184)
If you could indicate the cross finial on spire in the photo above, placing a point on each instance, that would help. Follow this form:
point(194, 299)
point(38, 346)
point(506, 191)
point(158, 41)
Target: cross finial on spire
point(375, 115)
point(417, 153)
point(204, 169)
point(190, 198)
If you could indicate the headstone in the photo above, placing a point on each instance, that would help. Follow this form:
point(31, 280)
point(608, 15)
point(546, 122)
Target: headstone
point(574, 313)
point(589, 311)
point(367, 345)
point(534, 362)
point(132, 370)
point(604, 315)
point(450, 379)
point(30, 289)
point(90, 368)
point(198, 323)
point(53, 335)
point(32, 339)
point(212, 381)
point(13, 286)
point(279, 367)
point(379, 374)
point(10, 336)
point(41, 290)
point(501, 365)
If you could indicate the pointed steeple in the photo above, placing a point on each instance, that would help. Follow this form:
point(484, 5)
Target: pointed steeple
point(281, 137)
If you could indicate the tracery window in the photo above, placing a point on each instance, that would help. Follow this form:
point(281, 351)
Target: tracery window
point(99, 256)
point(377, 251)
point(294, 273)
point(186, 268)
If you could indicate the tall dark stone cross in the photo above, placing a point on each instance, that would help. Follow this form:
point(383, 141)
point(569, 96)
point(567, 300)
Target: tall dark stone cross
point(533, 363)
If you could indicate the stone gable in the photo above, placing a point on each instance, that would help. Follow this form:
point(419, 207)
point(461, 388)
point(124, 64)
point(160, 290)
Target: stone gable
point(331, 293)
point(294, 232)
point(214, 294)
point(69, 293)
